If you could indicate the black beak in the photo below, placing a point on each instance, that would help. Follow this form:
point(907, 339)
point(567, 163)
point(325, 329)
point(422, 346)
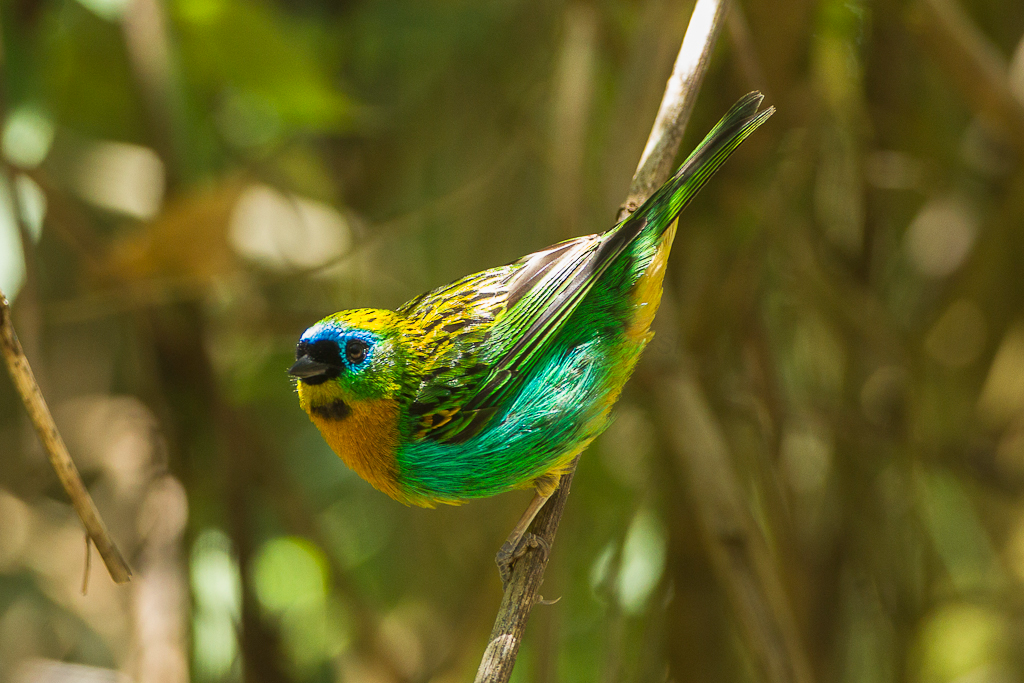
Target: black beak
point(306, 368)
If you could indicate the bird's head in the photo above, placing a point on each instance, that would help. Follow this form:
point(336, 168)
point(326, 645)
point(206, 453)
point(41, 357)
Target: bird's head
point(348, 357)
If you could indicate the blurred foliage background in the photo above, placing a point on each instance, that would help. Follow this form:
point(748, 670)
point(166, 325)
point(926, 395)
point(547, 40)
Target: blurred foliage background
point(187, 184)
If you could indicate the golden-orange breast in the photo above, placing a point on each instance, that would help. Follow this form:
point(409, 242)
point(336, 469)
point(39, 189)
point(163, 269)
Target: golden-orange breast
point(364, 434)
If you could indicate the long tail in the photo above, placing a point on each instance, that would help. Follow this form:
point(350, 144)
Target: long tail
point(663, 206)
point(555, 304)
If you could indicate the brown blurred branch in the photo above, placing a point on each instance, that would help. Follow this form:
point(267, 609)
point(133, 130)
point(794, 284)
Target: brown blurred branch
point(25, 382)
point(654, 169)
point(972, 63)
point(741, 556)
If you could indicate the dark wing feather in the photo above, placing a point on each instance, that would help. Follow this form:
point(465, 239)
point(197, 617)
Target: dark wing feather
point(467, 327)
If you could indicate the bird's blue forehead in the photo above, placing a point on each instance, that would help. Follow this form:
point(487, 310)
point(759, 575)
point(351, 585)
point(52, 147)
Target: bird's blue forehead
point(336, 332)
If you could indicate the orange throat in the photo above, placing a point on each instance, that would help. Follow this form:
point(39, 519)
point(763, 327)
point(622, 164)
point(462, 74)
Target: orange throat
point(363, 433)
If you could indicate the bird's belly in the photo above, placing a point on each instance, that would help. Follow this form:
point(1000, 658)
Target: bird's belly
point(365, 438)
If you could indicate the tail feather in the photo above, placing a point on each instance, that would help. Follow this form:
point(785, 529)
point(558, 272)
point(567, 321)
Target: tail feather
point(549, 312)
point(664, 205)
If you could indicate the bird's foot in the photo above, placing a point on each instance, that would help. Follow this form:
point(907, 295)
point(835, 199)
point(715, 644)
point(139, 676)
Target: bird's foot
point(509, 554)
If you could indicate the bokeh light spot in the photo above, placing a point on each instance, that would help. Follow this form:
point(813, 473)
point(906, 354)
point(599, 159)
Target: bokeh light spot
point(27, 137)
point(941, 236)
point(1002, 395)
point(111, 10)
point(217, 590)
point(12, 256)
point(961, 642)
point(643, 561)
point(806, 458)
point(31, 204)
point(284, 231)
point(290, 571)
point(120, 177)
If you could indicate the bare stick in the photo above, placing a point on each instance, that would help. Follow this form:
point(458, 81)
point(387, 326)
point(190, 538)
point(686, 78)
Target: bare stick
point(521, 594)
point(42, 420)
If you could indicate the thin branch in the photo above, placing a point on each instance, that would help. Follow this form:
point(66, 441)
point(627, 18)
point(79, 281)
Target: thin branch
point(63, 465)
point(654, 169)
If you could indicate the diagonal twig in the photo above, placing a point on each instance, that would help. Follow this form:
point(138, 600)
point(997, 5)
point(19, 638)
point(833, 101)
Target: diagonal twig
point(654, 169)
point(63, 465)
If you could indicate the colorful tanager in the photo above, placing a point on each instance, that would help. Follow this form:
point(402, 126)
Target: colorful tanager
point(498, 380)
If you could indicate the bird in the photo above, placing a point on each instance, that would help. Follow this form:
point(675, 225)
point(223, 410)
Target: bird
point(497, 381)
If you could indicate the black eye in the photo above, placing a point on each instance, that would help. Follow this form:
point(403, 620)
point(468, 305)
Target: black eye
point(355, 351)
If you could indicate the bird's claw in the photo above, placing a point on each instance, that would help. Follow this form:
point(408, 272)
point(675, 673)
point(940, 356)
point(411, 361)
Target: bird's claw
point(509, 554)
